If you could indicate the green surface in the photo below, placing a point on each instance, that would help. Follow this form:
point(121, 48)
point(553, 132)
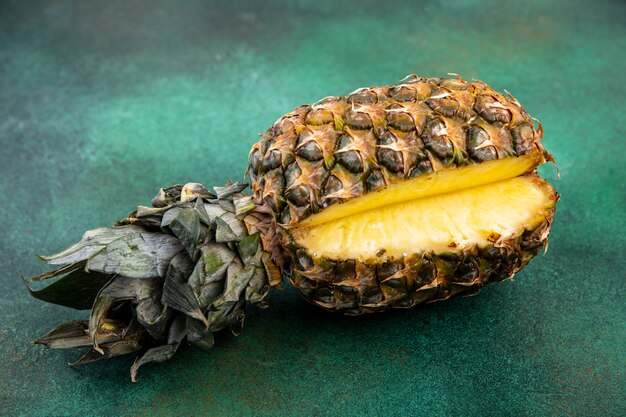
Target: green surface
point(103, 103)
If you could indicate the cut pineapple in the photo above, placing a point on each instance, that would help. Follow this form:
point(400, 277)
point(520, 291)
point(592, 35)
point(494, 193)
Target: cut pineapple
point(447, 222)
point(369, 198)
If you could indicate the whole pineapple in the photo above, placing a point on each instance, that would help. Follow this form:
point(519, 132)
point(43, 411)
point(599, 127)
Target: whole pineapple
point(387, 197)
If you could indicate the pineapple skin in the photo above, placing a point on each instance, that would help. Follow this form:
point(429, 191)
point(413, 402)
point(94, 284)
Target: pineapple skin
point(341, 148)
point(355, 286)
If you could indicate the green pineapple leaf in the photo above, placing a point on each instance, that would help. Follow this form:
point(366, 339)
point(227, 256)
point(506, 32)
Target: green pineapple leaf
point(77, 289)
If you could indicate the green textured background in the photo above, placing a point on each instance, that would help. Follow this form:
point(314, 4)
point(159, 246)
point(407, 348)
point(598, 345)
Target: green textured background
point(103, 103)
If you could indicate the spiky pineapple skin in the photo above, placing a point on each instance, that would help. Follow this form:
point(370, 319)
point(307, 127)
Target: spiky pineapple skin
point(341, 148)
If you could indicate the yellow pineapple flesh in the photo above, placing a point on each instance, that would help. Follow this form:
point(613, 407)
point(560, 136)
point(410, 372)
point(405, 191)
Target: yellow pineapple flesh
point(430, 184)
point(438, 223)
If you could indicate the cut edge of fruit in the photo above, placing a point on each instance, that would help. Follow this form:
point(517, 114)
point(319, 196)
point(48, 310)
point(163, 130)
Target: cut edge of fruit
point(488, 214)
point(431, 184)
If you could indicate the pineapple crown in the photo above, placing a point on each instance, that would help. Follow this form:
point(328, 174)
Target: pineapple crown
point(181, 269)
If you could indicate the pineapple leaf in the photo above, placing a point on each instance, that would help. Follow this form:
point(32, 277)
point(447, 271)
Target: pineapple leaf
point(209, 293)
point(156, 354)
point(177, 293)
point(248, 247)
point(151, 223)
point(243, 206)
point(229, 228)
point(136, 254)
point(228, 316)
point(227, 309)
point(212, 264)
point(207, 278)
point(154, 316)
point(120, 288)
point(198, 334)
point(162, 353)
point(92, 242)
point(229, 190)
point(145, 211)
point(227, 205)
point(204, 216)
point(58, 271)
point(127, 250)
point(68, 335)
point(75, 333)
point(195, 191)
point(185, 225)
point(167, 196)
point(77, 289)
point(237, 278)
point(213, 211)
point(109, 350)
point(257, 288)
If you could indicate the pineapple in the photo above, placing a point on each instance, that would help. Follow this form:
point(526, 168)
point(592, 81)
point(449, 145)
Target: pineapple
point(387, 197)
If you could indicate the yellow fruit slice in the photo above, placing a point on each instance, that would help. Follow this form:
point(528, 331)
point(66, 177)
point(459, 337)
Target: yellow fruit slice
point(440, 223)
point(430, 184)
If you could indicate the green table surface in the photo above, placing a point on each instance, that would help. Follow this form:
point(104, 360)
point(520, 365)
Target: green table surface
point(103, 103)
